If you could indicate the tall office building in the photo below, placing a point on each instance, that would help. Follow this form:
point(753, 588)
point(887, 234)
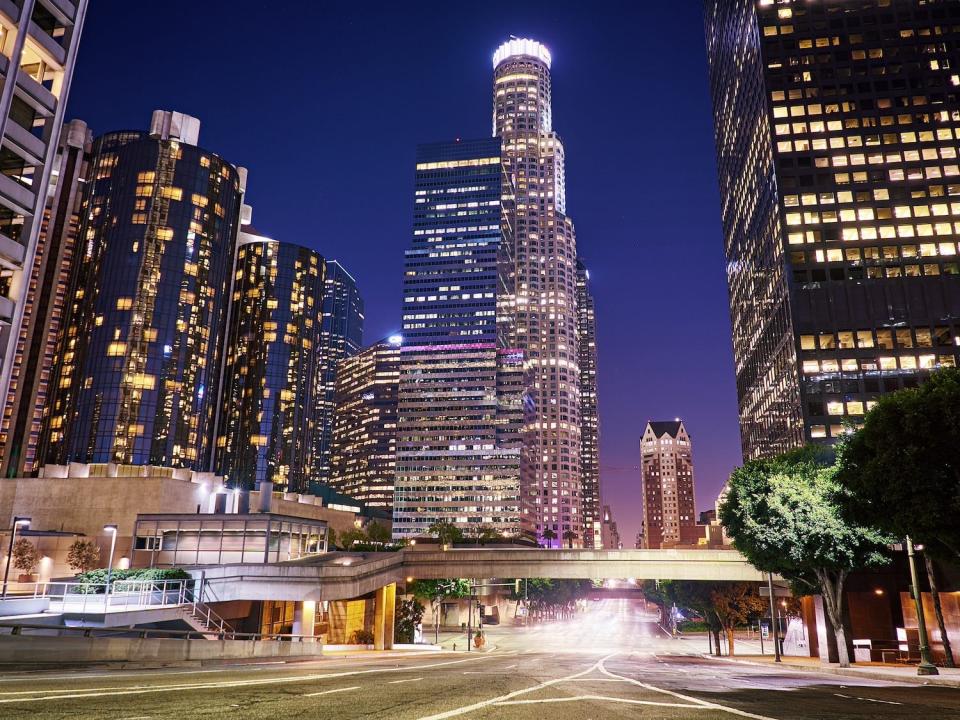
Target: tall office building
point(268, 403)
point(669, 512)
point(341, 337)
point(589, 413)
point(43, 304)
point(545, 287)
point(364, 447)
point(837, 125)
point(139, 354)
point(38, 41)
point(461, 381)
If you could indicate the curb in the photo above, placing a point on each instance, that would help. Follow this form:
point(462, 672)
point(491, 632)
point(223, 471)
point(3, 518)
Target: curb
point(934, 680)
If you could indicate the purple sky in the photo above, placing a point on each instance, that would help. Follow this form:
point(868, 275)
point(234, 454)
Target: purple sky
point(325, 103)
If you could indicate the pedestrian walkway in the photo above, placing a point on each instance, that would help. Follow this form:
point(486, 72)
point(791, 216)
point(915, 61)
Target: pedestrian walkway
point(949, 677)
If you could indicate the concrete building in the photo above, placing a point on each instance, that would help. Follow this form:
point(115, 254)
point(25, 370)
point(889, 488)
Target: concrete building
point(545, 254)
point(669, 512)
point(461, 391)
point(609, 535)
point(43, 305)
point(836, 136)
point(364, 449)
point(589, 411)
point(268, 400)
point(38, 41)
point(138, 361)
point(341, 337)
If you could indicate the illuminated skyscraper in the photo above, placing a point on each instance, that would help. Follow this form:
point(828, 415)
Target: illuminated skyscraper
point(669, 513)
point(837, 126)
point(268, 401)
point(545, 257)
point(364, 448)
point(43, 305)
point(139, 356)
point(38, 41)
point(589, 414)
point(341, 337)
point(462, 381)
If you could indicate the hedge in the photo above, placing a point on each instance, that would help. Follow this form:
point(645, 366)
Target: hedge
point(94, 581)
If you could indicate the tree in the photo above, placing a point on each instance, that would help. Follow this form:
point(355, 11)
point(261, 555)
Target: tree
point(447, 533)
point(570, 536)
point(331, 538)
point(349, 537)
point(436, 591)
point(26, 557)
point(785, 515)
point(409, 614)
point(83, 555)
point(377, 533)
point(486, 533)
point(549, 535)
point(735, 604)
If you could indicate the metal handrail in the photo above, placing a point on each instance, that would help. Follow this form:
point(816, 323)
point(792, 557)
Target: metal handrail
point(87, 631)
point(143, 593)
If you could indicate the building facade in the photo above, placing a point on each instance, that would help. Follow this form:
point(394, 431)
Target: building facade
point(364, 447)
point(38, 41)
point(461, 382)
point(43, 305)
point(268, 403)
point(139, 355)
point(836, 129)
point(609, 534)
point(589, 412)
point(545, 256)
point(341, 337)
point(669, 501)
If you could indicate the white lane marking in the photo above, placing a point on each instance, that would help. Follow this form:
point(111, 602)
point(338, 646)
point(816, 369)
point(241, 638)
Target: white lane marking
point(865, 699)
point(328, 692)
point(688, 698)
point(145, 689)
point(396, 682)
point(604, 698)
point(509, 667)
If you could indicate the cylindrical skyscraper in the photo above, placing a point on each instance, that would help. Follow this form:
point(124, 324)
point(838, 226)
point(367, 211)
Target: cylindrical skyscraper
point(138, 356)
point(545, 255)
point(268, 402)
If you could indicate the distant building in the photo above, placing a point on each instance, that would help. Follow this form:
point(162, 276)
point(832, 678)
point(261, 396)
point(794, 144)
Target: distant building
point(589, 412)
point(43, 304)
point(341, 337)
point(462, 384)
point(268, 401)
point(138, 359)
point(669, 515)
point(609, 535)
point(364, 448)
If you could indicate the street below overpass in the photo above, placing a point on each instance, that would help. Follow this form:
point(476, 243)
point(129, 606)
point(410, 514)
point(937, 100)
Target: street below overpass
point(609, 662)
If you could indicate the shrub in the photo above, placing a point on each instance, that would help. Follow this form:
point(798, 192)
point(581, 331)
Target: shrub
point(26, 557)
point(83, 555)
point(94, 581)
point(362, 637)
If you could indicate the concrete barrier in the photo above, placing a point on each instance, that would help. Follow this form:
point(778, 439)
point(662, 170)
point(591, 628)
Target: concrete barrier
point(11, 606)
point(27, 650)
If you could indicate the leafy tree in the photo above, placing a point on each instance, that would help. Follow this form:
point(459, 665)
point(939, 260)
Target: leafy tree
point(549, 535)
point(447, 533)
point(83, 555)
point(350, 537)
point(735, 604)
point(26, 557)
point(409, 614)
point(570, 536)
point(377, 533)
point(785, 516)
point(331, 538)
point(486, 533)
point(436, 591)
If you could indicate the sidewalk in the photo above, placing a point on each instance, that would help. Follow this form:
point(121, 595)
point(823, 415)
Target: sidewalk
point(948, 677)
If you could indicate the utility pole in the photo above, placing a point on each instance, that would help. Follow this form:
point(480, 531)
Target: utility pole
point(926, 666)
point(773, 619)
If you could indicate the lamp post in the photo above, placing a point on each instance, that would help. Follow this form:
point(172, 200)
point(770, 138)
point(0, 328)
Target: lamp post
point(17, 522)
point(773, 619)
point(926, 666)
point(112, 529)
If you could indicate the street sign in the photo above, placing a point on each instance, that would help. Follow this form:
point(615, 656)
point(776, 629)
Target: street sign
point(777, 591)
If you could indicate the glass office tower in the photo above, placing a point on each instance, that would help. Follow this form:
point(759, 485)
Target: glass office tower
point(268, 401)
point(837, 126)
point(461, 411)
point(545, 254)
point(341, 337)
point(589, 412)
point(138, 358)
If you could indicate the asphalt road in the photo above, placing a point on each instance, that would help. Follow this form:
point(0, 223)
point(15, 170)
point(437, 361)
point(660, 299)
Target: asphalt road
point(606, 664)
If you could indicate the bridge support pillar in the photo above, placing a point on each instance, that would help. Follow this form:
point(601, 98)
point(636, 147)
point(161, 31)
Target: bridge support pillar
point(304, 617)
point(383, 616)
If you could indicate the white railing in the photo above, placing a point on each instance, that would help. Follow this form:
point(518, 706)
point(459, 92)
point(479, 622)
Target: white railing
point(121, 595)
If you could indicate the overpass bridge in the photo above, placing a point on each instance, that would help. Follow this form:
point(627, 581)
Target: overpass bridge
point(345, 575)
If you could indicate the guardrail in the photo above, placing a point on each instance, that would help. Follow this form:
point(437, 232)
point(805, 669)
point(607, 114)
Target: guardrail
point(130, 631)
point(121, 594)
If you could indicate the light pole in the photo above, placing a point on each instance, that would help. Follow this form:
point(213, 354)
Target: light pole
point(773, 619)
point(17, 522)
point(112, 529)
point(926, 666)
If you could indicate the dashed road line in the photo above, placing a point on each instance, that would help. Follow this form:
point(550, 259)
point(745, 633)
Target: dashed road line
point(329, 692)
point(405, 680)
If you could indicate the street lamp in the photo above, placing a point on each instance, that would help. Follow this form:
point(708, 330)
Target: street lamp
point(926, 666)
point(112, 529)
point(17, 522)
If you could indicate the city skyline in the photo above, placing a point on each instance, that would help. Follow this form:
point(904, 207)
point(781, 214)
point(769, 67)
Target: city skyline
point(676, 265)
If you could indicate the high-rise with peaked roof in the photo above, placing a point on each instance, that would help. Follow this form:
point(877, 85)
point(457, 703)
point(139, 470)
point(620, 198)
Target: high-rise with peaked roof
point(669, 512)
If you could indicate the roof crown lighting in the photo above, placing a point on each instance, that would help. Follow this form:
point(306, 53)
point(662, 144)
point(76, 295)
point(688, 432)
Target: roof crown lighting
point(521, 46)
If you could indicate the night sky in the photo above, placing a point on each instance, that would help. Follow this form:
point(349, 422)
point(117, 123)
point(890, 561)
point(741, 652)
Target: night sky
point(324, 103)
